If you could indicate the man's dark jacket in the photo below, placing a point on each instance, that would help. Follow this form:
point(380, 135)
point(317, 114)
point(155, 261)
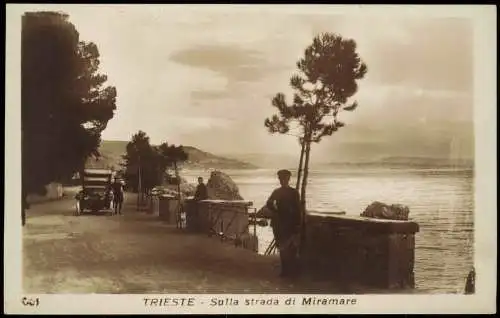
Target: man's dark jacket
point(286, 214)
point(201, 192)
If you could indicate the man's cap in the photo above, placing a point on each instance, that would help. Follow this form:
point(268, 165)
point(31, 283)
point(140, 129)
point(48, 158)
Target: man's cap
point(284, 173)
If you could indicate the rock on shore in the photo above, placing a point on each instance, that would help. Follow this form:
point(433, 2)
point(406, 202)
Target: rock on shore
point(379, 210)
point(220, 186)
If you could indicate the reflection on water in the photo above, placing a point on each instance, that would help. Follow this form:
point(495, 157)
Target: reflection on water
point(440, 200)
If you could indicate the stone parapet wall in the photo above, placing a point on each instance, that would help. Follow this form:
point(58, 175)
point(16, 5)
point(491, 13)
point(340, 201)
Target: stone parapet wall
point(168, 208)
point(227, 219)
point(371, 252)
point(54, 191)
point(215, 216)
point(358, 250)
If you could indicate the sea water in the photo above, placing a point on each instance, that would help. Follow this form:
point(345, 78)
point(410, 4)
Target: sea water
point(440, 201)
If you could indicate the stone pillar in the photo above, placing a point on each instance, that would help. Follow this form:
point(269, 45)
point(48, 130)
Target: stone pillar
point(168, 208)
point(155, 205)
point(192, 215)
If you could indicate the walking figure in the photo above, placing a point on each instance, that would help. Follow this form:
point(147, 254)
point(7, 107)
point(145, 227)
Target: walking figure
point(117, 188)
point(284, 203)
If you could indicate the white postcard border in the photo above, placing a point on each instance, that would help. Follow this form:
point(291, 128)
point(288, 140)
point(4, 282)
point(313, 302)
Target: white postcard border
point(484, 18)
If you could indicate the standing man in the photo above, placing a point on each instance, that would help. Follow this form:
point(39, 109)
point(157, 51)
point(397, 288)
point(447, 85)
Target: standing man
point(284, 203)
point(117, 188)
point(201, 190)
point(200, 194)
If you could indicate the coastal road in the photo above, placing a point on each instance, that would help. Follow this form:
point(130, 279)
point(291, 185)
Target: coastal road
point(136, 253)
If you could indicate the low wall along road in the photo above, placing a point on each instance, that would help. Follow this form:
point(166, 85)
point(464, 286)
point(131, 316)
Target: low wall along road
point(350, 249)
point(137, 252)
point(372, 252)
point(54, 191)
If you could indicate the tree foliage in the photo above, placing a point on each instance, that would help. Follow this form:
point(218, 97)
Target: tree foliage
point(65, 104)
point(172, 156)
point(327, 78)
point(151, 161)
point(141, 158)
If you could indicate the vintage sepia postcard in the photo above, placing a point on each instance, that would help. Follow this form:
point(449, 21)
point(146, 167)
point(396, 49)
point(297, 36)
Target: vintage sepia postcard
point(167, 159)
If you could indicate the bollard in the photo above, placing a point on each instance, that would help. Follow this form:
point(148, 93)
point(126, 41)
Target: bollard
point(470, 284)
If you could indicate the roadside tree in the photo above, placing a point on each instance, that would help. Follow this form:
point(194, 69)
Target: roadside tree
point(327, 78)
point(65, 104)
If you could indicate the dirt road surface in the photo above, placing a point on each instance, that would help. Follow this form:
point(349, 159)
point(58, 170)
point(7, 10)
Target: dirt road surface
point(136, 253)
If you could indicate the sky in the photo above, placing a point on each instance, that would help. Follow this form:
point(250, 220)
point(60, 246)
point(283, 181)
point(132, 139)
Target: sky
point(204, 76)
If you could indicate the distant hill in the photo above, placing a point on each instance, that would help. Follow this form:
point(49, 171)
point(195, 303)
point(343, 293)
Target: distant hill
point(202, 159)
point(112, 151)
point(111, 155)
point(267, 160)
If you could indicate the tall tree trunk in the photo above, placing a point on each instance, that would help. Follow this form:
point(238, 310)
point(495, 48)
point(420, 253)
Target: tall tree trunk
point(178, 182)
point(139, 184)
point(179, 204)
point(303, 194)
point(301, 161)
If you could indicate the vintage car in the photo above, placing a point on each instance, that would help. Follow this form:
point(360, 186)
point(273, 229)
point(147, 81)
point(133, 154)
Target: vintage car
point(96, 195)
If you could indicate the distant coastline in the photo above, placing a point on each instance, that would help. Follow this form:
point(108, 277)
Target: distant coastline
point(416, 162)
point(112, 151)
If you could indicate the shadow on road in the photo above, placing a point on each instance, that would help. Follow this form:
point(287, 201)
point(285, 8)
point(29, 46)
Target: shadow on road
point(96, 213)
point(137, 253)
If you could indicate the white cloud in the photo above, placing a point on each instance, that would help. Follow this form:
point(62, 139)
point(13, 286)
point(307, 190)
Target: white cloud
point(417, 68)
point(190, 124)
